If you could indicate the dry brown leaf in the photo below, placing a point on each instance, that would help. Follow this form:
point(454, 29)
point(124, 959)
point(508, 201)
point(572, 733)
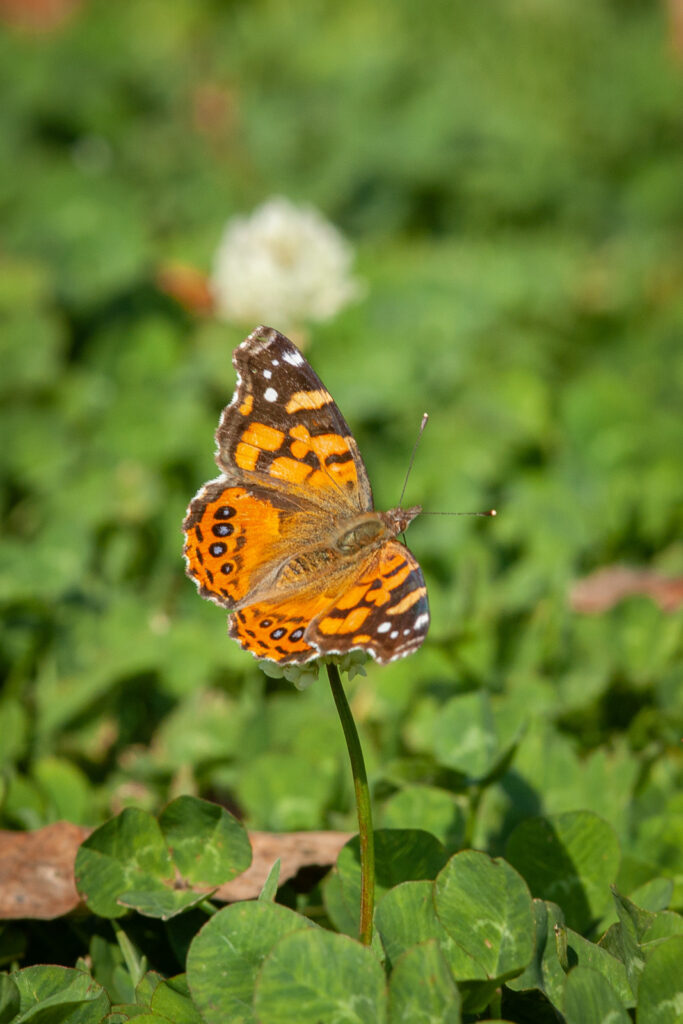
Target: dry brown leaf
point(296, 850)
point(188, 286)
point(675, 9)
point(215, 110)
point(37, 871)
point(37, 868)
point(606, 587)
point(37, 15)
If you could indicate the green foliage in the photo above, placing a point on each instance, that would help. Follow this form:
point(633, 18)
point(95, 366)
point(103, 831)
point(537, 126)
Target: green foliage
point(132, 861)
point(589, 996)
point(474, 888)
point(10, 999)
point(53, 994)
point(225, 958)
point(430, 809)
point(422, 988)
point(448, 942)
point(315, 975)
point(400, 855)
point(570, 859)
point(510, 177)
point(454, 938)
point(659, 992)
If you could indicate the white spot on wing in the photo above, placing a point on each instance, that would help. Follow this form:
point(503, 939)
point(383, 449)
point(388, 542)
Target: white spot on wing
point(294, 358)
point(421, 621)
point(267, 374)
point(394, 634)
point(270, 395)
point(384, 627)
point(276, 362)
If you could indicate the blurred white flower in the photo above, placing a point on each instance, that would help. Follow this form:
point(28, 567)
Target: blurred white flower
point(283, 265)
point(303, 675)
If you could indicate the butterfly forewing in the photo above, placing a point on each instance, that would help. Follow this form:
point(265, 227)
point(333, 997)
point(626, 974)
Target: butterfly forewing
point(284, 430)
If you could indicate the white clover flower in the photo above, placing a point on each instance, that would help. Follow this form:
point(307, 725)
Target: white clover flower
point(283, 265)
point(303, 675)
point(352, 663)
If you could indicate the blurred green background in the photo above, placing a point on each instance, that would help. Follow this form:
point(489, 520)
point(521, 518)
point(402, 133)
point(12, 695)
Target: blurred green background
point(511, 178)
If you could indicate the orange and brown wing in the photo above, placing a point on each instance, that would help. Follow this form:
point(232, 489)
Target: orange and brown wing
point(382, 609)
point(233, 540)
point(283, 430)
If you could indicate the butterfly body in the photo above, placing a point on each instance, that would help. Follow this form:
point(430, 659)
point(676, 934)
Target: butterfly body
point(287, 538)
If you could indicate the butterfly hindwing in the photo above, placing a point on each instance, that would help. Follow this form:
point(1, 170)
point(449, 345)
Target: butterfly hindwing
point(384, 611)
point(275, 629)
point(283, 429)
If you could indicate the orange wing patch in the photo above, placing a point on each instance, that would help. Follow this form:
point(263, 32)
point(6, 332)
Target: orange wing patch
point(407, 602)
point(321, 461)
point(349, 623)
point(228, 536)
point(308, 400)
point(246, 456)
point(263, 437)
point(375, 589)
point(256, 438)
point(278, 404)
point(290, 470)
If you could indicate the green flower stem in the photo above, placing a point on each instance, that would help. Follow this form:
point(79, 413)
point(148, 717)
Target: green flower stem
point(360, 785)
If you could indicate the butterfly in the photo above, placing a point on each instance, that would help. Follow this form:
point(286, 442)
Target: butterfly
point(287, 537)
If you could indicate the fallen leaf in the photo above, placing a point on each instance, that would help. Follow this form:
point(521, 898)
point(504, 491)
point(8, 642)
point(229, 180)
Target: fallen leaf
point(606, 587)
point(675, 9)
point(215, 111)
point(187, 285)
point(296, 850)
point(37, 15)
point(37, 868)
point(37, 871)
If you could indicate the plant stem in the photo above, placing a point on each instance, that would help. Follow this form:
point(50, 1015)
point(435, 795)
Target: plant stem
point(363, 808)
point(136, 964)
point(475, 795)
point(208, 907)
point(495, 1007)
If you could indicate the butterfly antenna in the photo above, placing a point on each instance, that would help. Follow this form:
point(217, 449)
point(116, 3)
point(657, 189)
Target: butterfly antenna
point(491, 512)
point(423, 424)
point(412, 457)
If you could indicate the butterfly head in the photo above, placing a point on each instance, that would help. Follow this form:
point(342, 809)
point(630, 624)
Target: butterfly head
point(399, 519)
